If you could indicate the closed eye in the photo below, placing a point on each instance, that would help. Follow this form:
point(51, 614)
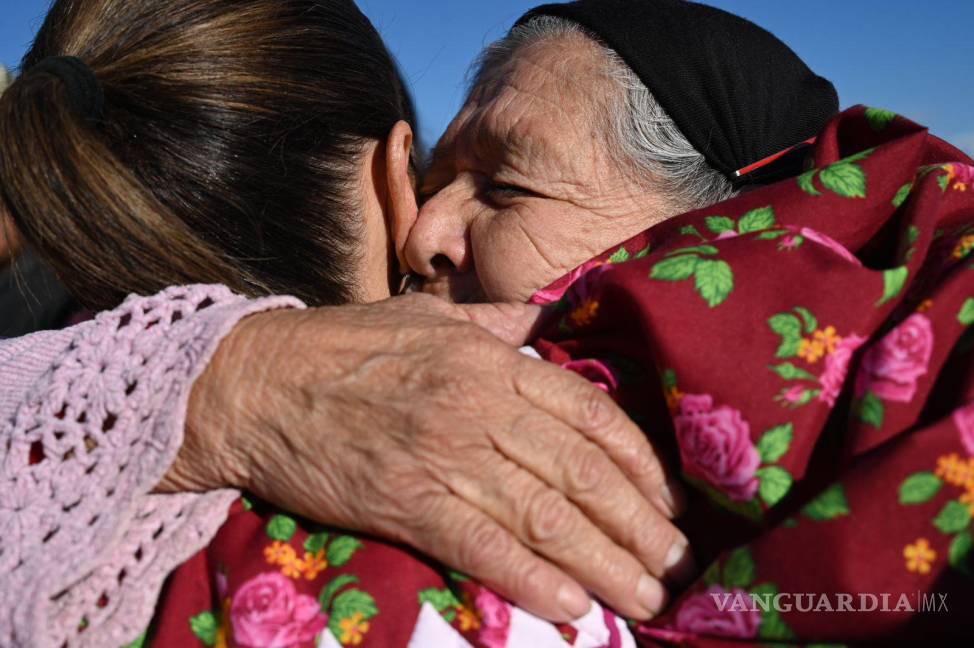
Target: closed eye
point(501, 191)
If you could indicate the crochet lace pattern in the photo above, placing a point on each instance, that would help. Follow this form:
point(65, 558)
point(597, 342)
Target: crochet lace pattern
point(84, 545)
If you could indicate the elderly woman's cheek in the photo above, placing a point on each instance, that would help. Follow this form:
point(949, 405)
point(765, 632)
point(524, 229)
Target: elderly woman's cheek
point(510, 259)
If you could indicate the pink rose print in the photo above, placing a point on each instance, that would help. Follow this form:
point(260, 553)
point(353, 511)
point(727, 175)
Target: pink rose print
point(595, 371)
point(836, 368)
point(555, 291)
point(268, 612)
point(715, 445)
point(964, 420)
point(701, 614)
point(495, 617)
point(794, 395)
point(890, 369)
point(831, 244)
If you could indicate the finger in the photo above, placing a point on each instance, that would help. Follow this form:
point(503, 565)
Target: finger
point(543, 520)
point(464, 538)
point(514, 324)
point(577, 403)
point(584, 473)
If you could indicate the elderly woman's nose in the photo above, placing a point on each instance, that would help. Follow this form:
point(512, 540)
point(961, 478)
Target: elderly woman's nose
point(439, 243)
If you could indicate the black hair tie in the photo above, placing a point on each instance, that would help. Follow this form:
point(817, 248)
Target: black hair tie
point(84, 89)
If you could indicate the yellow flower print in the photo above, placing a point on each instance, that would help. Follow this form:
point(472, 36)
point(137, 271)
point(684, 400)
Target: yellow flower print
point(313, 564)
point(822, 343)
point(963, 247)
point(468, 618)
point(956, 470)
point(353, 629)
point(673, 398)
point(925, 305)
point(224, 630)
point(968, 498)
point(919, 556)
point(292, 569)
point(280, 553)
point(584, 314)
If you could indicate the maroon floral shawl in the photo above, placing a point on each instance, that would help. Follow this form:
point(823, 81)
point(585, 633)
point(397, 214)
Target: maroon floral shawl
point(803, 354)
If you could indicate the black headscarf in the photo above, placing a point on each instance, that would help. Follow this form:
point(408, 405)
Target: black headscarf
point(737, 93)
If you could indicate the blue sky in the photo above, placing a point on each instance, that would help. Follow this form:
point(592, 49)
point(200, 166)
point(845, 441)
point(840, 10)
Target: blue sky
point(915, 57)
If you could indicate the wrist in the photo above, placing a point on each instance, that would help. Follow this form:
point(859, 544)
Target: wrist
point(228, 414)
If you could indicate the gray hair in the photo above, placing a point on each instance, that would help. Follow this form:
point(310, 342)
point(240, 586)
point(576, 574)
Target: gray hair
point(642, 135)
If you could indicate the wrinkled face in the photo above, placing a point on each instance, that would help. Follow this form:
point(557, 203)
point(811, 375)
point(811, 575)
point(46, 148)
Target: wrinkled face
point(523, 186)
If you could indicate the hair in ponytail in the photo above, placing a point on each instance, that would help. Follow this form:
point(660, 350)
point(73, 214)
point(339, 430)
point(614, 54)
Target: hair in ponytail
point(222, 150)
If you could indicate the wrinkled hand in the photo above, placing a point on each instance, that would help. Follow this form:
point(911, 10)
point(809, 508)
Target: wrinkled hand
point(406, 420)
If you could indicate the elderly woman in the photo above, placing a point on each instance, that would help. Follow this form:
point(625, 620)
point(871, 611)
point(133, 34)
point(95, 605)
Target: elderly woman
point(616, 322)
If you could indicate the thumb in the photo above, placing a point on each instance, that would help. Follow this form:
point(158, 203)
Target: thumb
point(514, 324)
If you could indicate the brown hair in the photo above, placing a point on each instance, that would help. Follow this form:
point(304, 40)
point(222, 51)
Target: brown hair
point(223, 152)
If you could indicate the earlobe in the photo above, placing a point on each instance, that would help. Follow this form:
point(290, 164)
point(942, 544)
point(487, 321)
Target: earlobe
point(402, 207)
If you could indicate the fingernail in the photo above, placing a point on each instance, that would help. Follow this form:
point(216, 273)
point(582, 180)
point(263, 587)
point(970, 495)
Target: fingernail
point(574, 601)
point(650, 594)
point(673, 497)
point(679, 566)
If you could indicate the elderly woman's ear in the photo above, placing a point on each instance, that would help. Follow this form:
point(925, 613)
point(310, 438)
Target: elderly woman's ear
point(401, 207)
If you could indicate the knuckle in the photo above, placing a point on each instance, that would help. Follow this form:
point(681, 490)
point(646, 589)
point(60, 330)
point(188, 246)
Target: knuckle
point(652, 539)
point(596, 409)
point(482, 546)
point(587, 468)
point(549, 517)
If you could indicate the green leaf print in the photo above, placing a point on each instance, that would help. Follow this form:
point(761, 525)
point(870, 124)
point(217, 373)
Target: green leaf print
point(642, 253)
point(770, 235)
point(315, 542)
point(712, 575)
point(871, 410)
point(807, 182)
point(789, 371)
point(675, 269)
point(831, 503)
point(966, 314)
point(709, 250)
point(669, 379)
point(281, 527)
point(902, 194)
point(341, 549)
point(690, 230)
point(620, 256)
point(789, 327)
point(739, 569)
point(954, 517)
point(714, 281)
point(893, 282)
point(919, 488)
point(756, 220)
point(139, 642)
point(346, 605)
point(943, 181)
point(775, 482)
point(773, 627)
point(775, 443)
point(719, 224)
point(441, 599)
point(879, 118)
point(329, 590)
point(204, 625)
point(961, 551)
point(810, 322)
point(354, 600)
point(845, 179)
